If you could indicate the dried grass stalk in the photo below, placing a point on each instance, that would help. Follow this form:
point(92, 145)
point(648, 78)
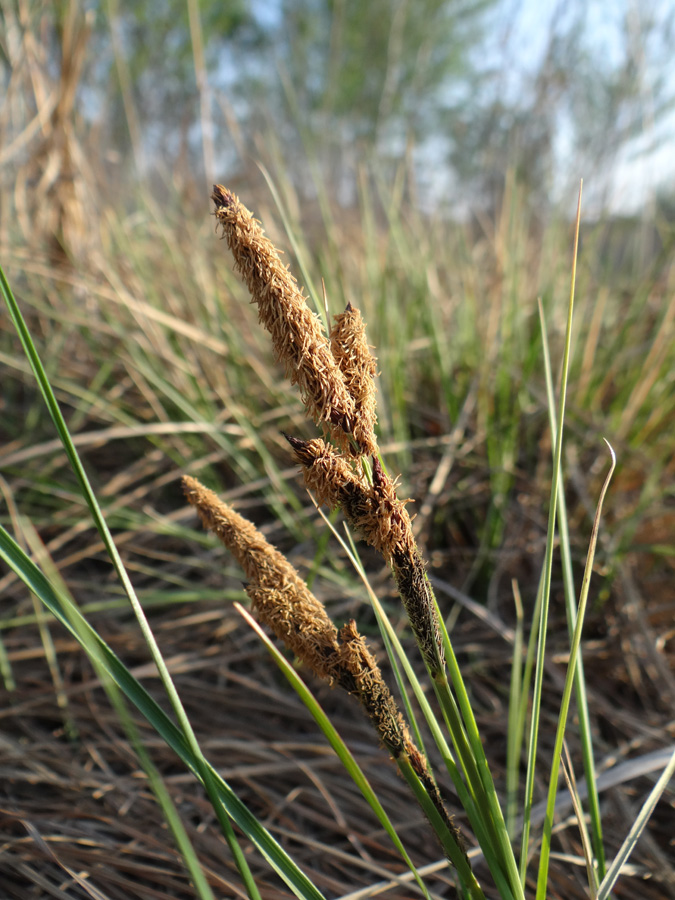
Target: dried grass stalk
point(297, 336)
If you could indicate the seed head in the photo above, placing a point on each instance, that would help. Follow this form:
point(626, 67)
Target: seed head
point(359, 368)
point(381, 518)
point(280, 598)
point(297, 335)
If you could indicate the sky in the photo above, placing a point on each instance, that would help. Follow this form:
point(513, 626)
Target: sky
point(518, 41)
point(646, 164)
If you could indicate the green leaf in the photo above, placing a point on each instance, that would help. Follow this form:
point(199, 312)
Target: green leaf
point(70, 617)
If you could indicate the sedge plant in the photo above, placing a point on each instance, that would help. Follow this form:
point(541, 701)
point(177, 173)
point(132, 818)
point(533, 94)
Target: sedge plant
point(345, 471)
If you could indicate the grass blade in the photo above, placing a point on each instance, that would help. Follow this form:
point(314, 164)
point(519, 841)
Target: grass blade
point(548, 563)
point(585, 730)
point(516, 715)
point(636, 830)
point(76, 624)
point(567, 692)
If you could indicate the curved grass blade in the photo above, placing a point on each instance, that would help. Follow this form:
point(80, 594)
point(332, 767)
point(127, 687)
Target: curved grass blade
point(334, 739)
point(567, 692)
point(636, 830)
point(585, 731)
point(82, 631)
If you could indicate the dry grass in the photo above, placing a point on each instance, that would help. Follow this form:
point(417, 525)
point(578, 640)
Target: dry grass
point(293, 782)
point(84, 804)
point(155, 357)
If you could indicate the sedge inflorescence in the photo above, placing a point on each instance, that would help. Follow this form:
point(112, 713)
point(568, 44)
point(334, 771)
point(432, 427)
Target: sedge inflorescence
point(281, 600)
point(336, 377)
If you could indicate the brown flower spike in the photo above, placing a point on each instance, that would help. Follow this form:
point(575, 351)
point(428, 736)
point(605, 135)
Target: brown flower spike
point(280, 598)
point(336, 377)
point(297, 336)
point(359, 367)
point(377, 700)
point(375, 511)
point(282, 601)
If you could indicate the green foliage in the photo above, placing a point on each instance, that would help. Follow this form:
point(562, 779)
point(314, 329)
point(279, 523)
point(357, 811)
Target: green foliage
point(499, 345)
point(414, 51)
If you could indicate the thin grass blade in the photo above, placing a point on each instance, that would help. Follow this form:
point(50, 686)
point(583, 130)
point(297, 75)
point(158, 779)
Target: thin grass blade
point(585, 730)
point(567, 691)
point(74, 622)
point(516, 714)
point(548, 563)
point(636, 830)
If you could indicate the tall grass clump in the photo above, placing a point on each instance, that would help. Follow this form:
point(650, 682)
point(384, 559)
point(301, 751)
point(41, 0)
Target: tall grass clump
point(335, 373)
point(491, 837)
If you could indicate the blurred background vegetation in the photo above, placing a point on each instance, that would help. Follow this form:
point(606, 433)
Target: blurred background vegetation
point(423, 159)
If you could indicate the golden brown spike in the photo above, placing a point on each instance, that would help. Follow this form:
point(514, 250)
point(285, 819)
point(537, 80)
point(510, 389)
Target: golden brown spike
point(359, 368)
point(373, 510)
point(261, 562)
point(297, 336)
point(326, 472)
point(298, 619)
point(372, 690)
point(382, 519)
point(281, 599)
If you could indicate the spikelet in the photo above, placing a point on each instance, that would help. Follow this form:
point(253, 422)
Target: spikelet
point(281, 599)
point(375, 696)
point(352, 353)
point(377, 700)
point(297, 336)
point(382, 519)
